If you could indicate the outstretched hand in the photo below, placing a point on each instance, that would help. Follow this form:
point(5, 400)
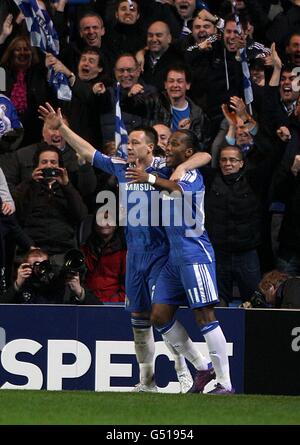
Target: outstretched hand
point(52, 118)
point(229, 115)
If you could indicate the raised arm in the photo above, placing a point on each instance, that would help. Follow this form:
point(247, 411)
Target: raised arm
point(55, 121)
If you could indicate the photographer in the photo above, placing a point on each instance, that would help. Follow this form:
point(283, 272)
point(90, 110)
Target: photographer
point(40, 282)
point(276, 290)
point(49, 208)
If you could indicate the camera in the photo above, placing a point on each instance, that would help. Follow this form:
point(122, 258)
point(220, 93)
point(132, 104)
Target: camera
point(258, 300)
point(50, 172)
point(42, 272)
point(74, 262)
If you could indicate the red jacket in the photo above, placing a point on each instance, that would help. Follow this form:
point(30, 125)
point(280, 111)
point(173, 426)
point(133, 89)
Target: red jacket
point(106, 270)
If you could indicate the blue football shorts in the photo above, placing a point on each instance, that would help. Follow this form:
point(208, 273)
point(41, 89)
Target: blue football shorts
point(142, 271)
point(192, 285)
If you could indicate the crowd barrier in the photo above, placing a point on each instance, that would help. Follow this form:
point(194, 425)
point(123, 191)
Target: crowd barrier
point(91, 348)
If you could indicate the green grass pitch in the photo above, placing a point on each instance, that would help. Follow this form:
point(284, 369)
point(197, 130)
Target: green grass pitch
point(25, 407)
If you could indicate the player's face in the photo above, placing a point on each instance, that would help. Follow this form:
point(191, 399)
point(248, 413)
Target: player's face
point(176, 150)
point(138, 148)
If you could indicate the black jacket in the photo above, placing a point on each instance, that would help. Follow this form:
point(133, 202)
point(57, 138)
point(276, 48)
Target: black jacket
point(50, 216)
point(232, 213)
point(155, 74)
point(288, 294)
point(235, 205)
point(286, 189)
point(130, 118)
point(156, 108)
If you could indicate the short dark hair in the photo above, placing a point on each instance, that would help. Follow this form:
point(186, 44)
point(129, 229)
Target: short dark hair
point(126, 55)
point(150, 133)
point(288, 68)
point(90, 14)
point(46, 147)
point(191, 139)
point(180, 68)
point(290, 36)
point(232, 147)
point(93, 50)
point(34, 252)
point(244, 20)
point(122, 1)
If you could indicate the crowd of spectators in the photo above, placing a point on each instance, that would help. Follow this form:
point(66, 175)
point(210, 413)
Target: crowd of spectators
point(179, 66)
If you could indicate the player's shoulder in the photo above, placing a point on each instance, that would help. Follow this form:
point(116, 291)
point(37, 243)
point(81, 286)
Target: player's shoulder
point(191, 176)
point(158, 163)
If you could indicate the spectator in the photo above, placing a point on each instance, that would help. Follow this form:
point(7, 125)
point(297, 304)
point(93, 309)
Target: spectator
point(49, 208)
point(19, 165)
point(105, 258)
point(26, 84)
point(163, 133)
point(128, 33)
point(106, 181)
point(127, 73)
point(285, 189)
point(233, 225)
point(284, 24)
point(218, 75)
point(173, 107)
point(279, 98)
point(292, 49)
point(83, 110)
point(276, 290)
point(91, 31)
point(8, 226)
point(159, 55)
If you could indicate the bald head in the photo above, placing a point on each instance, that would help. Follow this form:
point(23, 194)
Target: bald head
point(158, 37)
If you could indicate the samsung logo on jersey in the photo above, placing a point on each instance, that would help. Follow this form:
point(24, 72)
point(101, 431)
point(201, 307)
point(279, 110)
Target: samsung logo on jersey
point(139, 187)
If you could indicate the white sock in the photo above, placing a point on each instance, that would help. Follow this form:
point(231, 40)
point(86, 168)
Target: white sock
point(181, 342)
point(216, 344)
point(144, 350)
point(180, 363)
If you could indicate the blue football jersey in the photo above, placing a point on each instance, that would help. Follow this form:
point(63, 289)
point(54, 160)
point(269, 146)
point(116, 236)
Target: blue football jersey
point(140, 203)
point(183, 219)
